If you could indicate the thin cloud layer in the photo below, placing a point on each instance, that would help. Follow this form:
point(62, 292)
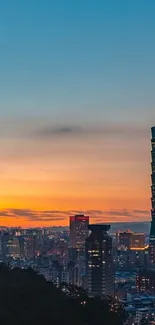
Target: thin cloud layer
point(41, 129)
point(47, 132)
point(105, 130)
point(71, 166)
point(58, 215)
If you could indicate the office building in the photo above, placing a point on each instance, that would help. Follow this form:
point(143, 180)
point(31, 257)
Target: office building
point(5, 237)
point(78, 234)
point(142, 314)
point(152, 231)
point(22, 246)
point(132, 252)
point(124, 239)
point(145, 281)
point(137, 241)
point(30, 247)
point(78, 230)
point(13, 247)
point(130, 240)
point(99, 262)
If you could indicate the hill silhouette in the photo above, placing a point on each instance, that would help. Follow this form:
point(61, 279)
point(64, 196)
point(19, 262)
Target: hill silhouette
point(27, 298)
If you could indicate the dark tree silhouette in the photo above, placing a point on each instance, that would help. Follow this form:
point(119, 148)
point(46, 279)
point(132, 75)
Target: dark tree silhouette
point(27, 298)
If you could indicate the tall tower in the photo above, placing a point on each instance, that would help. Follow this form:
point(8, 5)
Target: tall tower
point(99, 262)
point(78, 230)
point(152, 231)
point(78, 234)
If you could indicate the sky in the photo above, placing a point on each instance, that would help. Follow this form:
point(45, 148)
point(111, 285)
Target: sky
point(77, 102)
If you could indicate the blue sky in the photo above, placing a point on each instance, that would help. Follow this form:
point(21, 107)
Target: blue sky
point(88, 60)
point(77, 100)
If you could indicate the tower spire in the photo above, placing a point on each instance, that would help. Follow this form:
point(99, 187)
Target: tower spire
point(152, 230)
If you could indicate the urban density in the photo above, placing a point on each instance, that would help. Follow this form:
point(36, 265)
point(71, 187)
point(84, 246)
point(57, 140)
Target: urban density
point(119, 264)
point(77, 162)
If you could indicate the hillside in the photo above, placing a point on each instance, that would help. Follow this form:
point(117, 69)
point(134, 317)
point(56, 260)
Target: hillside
point(27, 298)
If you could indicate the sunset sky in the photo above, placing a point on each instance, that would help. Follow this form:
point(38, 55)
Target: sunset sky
point(77, 100)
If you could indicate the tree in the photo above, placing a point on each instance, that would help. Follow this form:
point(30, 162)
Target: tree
point(27, 298)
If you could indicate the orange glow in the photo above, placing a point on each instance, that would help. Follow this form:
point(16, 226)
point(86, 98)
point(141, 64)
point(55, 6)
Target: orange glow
point(75, 175)
point(139, 248)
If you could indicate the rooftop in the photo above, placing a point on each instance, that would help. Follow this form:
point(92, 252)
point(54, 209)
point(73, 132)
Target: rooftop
point(99, 228)
point(153, 132)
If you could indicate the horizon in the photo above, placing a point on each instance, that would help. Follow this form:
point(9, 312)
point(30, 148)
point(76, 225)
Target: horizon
point(77, 105)
point(112, 224)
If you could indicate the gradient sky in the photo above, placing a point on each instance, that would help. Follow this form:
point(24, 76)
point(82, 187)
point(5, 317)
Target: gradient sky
point(77, 100)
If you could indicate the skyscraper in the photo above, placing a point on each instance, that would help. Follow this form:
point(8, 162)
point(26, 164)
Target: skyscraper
point(137, 241)
point(145, 281)
point(13, 247)
point(78, 234)
point(30, 246)
point(124, 239)
point(78, 231)
point(152, 231)
point(127, 240)
point(99, 262)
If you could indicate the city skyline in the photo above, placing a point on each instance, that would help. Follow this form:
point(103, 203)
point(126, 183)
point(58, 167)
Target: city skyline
point(152, 230)
point(77, 104)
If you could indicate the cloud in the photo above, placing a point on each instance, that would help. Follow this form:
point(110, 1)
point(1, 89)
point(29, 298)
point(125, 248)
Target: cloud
point(140, 211)
point(59, 131)
point(60, 215)
point(106, 130)
point(127, 213)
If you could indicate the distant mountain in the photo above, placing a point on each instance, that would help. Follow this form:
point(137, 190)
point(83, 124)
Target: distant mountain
point(133, 226)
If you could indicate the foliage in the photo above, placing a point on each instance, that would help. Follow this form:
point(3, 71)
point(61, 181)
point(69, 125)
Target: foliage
point(27, 298)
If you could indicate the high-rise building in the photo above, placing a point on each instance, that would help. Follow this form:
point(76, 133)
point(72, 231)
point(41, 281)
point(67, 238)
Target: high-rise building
point(131, 250)
point(124, 239)
point(99, 262)
point(30, 246)
point(78, 230)
point(13, 247)
point(137, 241)
point(145, 281)
point(152, 231)
point(21, 245)
point(5, 236)
point(78, 234)
point(129, 240)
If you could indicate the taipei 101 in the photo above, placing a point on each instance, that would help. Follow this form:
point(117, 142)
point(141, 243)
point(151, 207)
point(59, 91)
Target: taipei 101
point(77, 162)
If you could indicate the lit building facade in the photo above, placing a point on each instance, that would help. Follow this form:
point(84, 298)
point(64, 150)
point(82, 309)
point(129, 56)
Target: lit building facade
point(124, 239)
point(145, 281)
point(13, 247)
point(137, 241)
point(78, 230)
point(152, 231)
point(30, 247)
point(99, 262)
point(130, 240)
point(132, 252)
point(5, 237)
point(78, 233)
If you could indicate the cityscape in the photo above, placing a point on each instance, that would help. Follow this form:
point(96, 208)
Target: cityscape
point(119, 264)
point(77, 162)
